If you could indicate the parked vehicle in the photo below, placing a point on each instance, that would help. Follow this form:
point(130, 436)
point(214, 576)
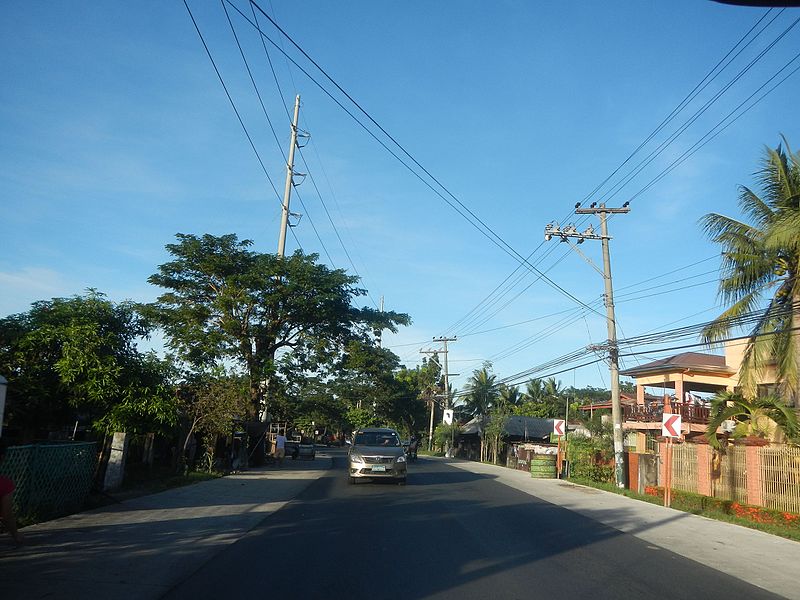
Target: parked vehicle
point(299, 447)
point(376, 453)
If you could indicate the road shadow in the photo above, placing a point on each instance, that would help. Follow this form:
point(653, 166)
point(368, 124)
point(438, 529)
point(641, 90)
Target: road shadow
point(434, 539)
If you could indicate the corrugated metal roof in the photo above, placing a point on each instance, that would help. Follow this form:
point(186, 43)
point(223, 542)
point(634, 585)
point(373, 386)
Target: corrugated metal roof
point(515, 426)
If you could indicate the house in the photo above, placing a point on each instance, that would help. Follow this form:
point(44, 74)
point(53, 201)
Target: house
point(515, 429)
point(682, 384)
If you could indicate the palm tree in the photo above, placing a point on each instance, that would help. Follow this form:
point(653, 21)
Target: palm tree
point(543, 399)
point(534, 391)
point(552, 388)
point(482, 393)
point(509, 398)
point(766, 417)
point(762, 258)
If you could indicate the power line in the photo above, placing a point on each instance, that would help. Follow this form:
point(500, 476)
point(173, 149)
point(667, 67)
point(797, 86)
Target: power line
point(659, 150)
point(718, 68)
point(448, 197)
point(302, 157)
point(233, 105)
point(704, 82)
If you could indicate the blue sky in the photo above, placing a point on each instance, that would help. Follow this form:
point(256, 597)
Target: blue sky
point(115, 134)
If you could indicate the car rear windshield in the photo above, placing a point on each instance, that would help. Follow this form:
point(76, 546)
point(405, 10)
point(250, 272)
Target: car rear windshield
point(377, 439)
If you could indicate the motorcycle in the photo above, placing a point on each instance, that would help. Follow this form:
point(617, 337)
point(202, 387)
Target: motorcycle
point(411, 451)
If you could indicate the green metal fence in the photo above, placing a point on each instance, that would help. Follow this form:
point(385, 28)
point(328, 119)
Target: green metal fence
point(51, 479)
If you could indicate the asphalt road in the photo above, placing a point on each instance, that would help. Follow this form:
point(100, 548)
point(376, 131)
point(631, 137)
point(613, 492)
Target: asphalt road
point(447, 534)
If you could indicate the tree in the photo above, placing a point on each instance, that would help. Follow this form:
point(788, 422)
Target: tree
point(364, 376)
point(423, 384)
point(481, 393)
point(211, 406)
point(543, 399)
point(70, 358)
point(226, 302)
point(766, 417)
point(509, 398)
point(759, 259)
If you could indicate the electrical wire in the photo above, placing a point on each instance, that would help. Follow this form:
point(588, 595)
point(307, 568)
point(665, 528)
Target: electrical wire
point(446, 195)
point(235, 109)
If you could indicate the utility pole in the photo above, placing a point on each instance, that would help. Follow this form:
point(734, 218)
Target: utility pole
point(287, 190)
point(433, 401)
point(444, 341)
point(379, 333)
point(613, 351)
point(447, 404)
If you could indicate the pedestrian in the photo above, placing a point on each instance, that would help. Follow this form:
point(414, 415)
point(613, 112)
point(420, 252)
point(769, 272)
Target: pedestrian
point(7, 502)
point(280, 448)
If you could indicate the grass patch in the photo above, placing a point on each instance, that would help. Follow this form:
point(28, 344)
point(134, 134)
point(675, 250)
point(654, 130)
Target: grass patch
point(783, 524)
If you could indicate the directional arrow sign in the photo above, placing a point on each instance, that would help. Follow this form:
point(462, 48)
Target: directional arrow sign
point(671, 425)
point(558, 426)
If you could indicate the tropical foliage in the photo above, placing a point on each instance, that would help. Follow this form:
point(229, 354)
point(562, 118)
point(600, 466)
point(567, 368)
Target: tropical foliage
point(760, 263)
point(543, 399)
point(481, 392)
point(76, 358)
point(224, 301)
point(767, 417)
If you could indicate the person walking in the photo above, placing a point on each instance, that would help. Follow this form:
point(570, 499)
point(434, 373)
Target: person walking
point(280, 448)
point(7, 502)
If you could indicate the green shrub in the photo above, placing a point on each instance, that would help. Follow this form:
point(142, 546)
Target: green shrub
point(705, 505)
point(590, 458)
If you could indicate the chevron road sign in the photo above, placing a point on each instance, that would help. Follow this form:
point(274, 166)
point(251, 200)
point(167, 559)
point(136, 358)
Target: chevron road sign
point(671, 425)
point(559, 426)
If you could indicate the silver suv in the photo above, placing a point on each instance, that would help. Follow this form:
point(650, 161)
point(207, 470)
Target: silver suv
point(376, 452)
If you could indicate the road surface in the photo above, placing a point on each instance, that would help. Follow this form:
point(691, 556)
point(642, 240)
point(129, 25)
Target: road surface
point(448, 534)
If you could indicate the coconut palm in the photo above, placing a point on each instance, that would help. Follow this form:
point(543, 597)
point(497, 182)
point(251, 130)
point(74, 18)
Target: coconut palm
point(534, 391)
point(760, 261)
point(542, 399)
point(766, 417)
point(509, 398)
point(482, 393)
point(552, 388)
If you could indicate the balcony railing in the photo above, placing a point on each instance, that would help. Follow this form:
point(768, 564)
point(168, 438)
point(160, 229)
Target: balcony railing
point(650, 413)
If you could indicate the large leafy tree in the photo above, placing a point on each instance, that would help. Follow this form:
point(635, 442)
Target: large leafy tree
point(76, 357)
point(225, 301)
point(760, 265)
point(367, 379)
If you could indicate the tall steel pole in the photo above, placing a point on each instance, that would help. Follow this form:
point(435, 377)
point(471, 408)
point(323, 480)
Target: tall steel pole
point(287, 191)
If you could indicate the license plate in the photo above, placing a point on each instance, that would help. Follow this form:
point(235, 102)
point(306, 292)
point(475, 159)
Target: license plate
point(379, 468)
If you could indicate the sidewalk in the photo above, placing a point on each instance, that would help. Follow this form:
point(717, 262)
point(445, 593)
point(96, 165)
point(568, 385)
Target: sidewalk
point(142, 547)
point(764, 560)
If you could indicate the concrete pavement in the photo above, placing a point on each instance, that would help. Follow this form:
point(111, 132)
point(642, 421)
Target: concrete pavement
point(141, 548)
point(758, 558)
